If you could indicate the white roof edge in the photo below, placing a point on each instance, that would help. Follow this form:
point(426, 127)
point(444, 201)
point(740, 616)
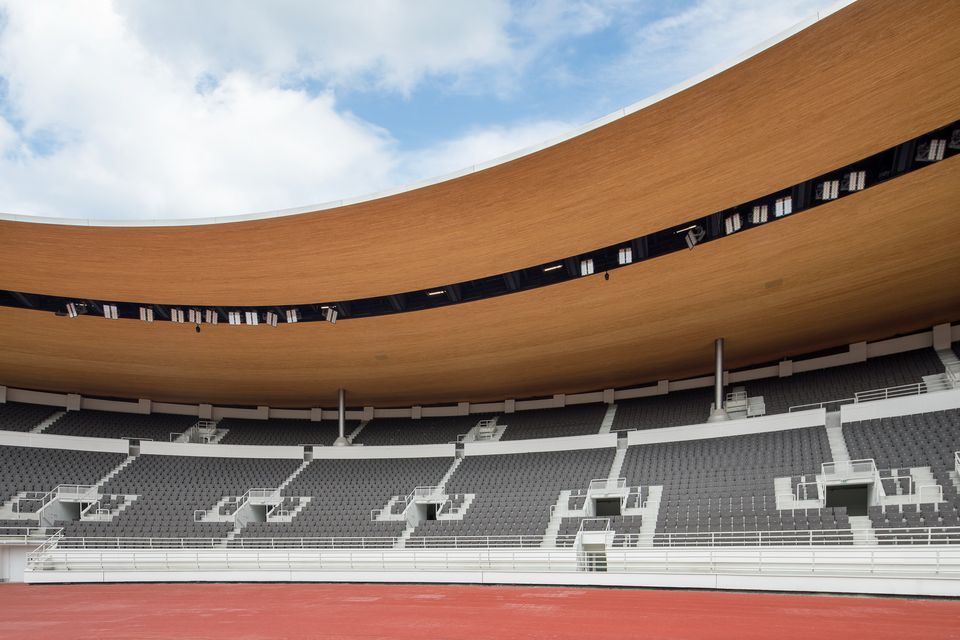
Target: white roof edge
point(590, 126)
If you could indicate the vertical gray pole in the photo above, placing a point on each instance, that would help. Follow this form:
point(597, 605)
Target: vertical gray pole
point(341, 418)
point(718, 413)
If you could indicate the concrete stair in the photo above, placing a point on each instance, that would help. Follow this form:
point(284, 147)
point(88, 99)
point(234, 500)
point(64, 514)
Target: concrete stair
point(651, 511)
point(951, 364)
point(356, 432)
point(46, 424)
point(862, 530)
point(120, 467)
point(442, 485)
point(617, 466)
point(220, 435)
point(402, 539)
point(128, 499)
point(783, 488)
point(838, 446)
point(7, 512)
point(560, 511)
point(386, 514)
point(297, 510)
point(457, 513)
point(292, 476)
point(608, 417)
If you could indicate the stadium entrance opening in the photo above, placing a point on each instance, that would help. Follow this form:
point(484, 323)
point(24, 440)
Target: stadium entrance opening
point(854, 498)
point(605, 507)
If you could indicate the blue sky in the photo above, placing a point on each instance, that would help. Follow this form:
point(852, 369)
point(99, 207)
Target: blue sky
point(179, 109)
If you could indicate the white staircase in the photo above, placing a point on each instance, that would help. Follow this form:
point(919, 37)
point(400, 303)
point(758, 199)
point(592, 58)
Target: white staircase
point(617, 465)
point(951, 363)
point(607, 423)
point(221, 433)
point(862, 530)
point(456, 513)
point(233, 534)
point(120, 467)
point(213, 514)
point(838, 446)
point(651, 511)
point(786, 499)
point(301, 505)
point(292, 476)
point(560, 511)
point(7, 512)
point(386, 514)
point(356, 432)
point(402, 540)
point(442, 485)
point(46, 424)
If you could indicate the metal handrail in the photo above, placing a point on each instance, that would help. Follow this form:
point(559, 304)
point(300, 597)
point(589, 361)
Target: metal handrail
point(935, 488)
point(912, 389)
point(956, 462)
point(607, 483)
point(603, 521)
point(860, 466)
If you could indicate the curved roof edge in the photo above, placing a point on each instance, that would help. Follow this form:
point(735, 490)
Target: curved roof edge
point(818, 15)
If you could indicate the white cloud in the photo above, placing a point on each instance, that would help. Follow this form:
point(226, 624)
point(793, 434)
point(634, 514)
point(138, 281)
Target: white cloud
point(182, 108)
point(482, 145)
point(705, 34)
point(388, 43)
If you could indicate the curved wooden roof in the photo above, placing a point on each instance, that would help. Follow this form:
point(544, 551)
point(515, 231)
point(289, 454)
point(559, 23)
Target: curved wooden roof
point(872, 264)
point(864, 79)
point(864, 267)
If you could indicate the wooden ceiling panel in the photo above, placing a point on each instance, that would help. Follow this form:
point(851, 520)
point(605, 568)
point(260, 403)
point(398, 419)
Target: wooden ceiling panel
point(872, 75)
point(865, 267)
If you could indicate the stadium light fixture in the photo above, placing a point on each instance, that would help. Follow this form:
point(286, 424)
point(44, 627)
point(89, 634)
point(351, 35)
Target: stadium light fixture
point(438, 292)
point(271, 318)
point(252, 317)
point(195, 316)
point(330, 315)
point(146, 314)
point(293, 315)
point(72, 310)
point(211, 316)
point(110, 311)
point(552, 267)
point(233, 317)
point(176, 315)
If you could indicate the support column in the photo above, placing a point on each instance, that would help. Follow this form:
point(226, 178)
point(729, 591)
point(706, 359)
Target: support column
point(341, 441)
point(718, 413)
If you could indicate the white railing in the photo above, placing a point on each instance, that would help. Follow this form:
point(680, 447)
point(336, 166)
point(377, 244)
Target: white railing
point(607, 483)
point(863, 466)
point(896, 480)
point(16, 535)
point(828, 405)
point(956, 462)
point(200, 514)
point(806, 492)
point(869, 561)
point(174, 436)
point(595, 524)
point(929, 493)
point(930, 536)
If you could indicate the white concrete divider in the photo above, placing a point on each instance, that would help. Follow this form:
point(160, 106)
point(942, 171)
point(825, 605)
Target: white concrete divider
point(743, 426)
point(51, 441)
point(902, 406)
point(569, 443)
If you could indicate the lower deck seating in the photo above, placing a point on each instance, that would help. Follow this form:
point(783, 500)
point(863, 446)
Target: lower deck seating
point(514, 492)
point(17, 416)
point(32, 469)
point(345, 491)
point(171, 488)
point(727, 484)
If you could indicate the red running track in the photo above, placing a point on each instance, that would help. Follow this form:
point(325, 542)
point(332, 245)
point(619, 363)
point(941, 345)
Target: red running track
point(430, 612)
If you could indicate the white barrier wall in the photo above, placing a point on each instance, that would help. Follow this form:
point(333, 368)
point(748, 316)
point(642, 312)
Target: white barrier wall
point(409, 451)
point(150, 447)
point(745, 426)
point(599, 441)
point(76, 443)
point(907, 405)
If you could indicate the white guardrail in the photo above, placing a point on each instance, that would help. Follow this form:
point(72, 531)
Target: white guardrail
point(893, 536)
point(25, 535)
point(913, 389)
point(921, 562)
